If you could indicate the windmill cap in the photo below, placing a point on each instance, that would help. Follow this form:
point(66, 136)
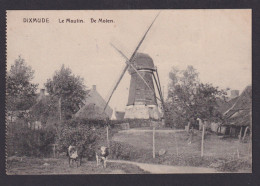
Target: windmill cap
point(143, 61)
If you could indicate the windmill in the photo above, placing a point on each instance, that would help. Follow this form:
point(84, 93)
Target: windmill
point(142, 99)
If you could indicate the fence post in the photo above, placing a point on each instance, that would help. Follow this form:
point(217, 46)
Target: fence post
point(240, 134)
point(54, 150)
point(176, 143)
point(202, 141)
point(107, 137)
point(245, 134)
point(250, 136)
point(153, 142)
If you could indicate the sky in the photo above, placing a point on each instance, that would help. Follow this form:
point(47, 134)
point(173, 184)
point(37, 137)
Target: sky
point(215, 42)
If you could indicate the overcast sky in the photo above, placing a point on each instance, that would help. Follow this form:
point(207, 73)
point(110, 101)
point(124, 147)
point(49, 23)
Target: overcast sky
point(215, 42)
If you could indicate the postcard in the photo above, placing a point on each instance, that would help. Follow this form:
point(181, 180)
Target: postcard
point(129, 91)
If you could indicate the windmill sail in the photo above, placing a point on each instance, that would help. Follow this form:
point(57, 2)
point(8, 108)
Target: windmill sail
point(116, 85)
point(130, 61)
point(132, 66)
point(139, 44)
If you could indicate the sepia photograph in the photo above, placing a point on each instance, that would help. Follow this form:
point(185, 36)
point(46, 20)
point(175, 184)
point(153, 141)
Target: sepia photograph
point(128, 91)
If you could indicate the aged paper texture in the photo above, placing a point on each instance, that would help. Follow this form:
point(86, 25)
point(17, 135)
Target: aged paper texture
point(129, 91)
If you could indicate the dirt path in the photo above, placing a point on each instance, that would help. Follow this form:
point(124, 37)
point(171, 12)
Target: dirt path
point(49, 166)
point(165, 169)
point(149, 130)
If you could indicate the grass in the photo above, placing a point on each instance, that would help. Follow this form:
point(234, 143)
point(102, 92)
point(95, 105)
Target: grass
point(137, 146)
point(218, 153)
point(39, 166)
point(150, 128)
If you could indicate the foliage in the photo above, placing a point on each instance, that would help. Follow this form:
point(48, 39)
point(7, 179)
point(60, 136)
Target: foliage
point(81, 133)
point(20, 91)
point(124, 151)
point(68, 90)
point(233, 165)
point(189, 98)
point(23, 141)
point(133, 123)
point(46, 111)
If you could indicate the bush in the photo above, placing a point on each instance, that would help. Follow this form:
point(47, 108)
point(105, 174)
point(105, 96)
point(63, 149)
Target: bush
point(81, 133)
point(124, 151)
point(23, 141)
point(234, 165)
point(133, 123)
point(92, 123)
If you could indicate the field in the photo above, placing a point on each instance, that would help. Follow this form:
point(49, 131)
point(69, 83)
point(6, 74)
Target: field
point(38, 166)
point(224, 154)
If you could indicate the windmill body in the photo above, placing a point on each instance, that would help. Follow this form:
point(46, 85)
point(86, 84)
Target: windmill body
point(142, 103)
point(142, 100)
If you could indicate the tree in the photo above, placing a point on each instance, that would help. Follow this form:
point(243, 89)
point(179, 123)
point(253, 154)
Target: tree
point(20, 91)
point(189, 98)
point(67, 90)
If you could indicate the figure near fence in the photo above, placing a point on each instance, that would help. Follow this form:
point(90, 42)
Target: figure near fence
point(191, 124)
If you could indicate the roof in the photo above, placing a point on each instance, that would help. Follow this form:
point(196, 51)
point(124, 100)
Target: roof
point(142, 61)
point(240, 112)
point(41, 100)
point(93, 97)
point(225, 105)
point(91, 111)
point(243, 102)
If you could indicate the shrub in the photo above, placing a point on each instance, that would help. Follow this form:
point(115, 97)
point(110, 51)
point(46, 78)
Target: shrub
point(23, 141)
point(133, 123)
point(84, 133)
point(234, 165)
point(93, 123)
point(119, 150)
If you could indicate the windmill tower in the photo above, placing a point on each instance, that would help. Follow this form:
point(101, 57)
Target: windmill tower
point(142, 99)
point(142, 103)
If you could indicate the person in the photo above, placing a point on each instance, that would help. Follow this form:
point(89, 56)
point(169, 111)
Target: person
point(191, 128)
point(200, 123)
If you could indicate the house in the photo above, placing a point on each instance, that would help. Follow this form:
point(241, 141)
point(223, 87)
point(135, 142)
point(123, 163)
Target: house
point(119, 115)
point(13, 116)
point(92, 111)
point(94, 105)
point(238, 116)
point(233, 94)
point(224, 105)
point(236, 113)
point(36, 125)
point(41, 100)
